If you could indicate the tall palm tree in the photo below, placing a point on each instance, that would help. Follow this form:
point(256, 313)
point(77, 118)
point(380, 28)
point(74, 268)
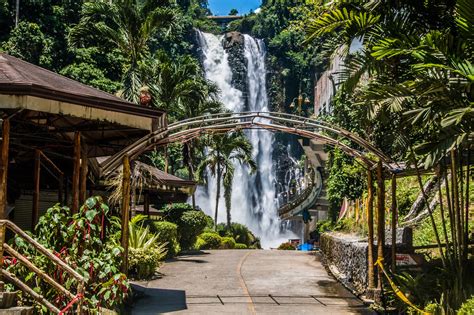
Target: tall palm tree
point(223, 151)
point(180, 87)
point(128, 25)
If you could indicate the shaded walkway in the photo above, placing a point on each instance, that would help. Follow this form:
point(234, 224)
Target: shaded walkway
point(246, 282)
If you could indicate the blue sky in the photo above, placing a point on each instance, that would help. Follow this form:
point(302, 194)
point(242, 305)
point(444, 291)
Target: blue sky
point(223, 7)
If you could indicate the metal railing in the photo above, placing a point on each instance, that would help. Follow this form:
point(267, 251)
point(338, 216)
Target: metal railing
point(307, 197)
point(6, 275)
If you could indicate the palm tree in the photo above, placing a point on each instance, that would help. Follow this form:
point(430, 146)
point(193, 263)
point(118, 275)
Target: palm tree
point(223, 151)
point(179, 86)
point(128, 25)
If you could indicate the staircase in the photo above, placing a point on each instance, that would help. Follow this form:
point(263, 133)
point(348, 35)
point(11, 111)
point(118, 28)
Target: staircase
point(8, 302)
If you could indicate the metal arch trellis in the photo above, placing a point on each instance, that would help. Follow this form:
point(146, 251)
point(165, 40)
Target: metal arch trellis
point(223, 122)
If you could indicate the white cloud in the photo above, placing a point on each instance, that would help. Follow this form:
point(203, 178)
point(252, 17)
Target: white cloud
point(258, 10)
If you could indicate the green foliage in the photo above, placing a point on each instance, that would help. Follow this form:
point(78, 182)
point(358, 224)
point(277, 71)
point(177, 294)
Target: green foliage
point(200, 243)
point(467, 307)
point(144, 261)
point(167, 233)
point(240, 246)
point(190, 223)
point(211, 241)
point(28, 42)
point(286, 246)
point(227, 243)
point(83, 241)
point(345, 180)
point(240, 233)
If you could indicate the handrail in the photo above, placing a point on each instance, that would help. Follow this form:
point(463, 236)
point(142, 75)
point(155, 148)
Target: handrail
point(302, 197)
point(28, 264)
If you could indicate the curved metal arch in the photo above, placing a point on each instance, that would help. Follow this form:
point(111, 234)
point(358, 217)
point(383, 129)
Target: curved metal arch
point(223, 122)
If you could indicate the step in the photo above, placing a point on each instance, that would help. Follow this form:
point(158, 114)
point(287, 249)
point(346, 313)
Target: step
point(7, 300)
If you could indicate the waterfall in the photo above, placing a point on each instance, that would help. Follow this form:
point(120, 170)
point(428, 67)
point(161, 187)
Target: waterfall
point(254, 201)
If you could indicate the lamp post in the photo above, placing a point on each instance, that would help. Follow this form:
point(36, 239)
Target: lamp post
point(301, 99)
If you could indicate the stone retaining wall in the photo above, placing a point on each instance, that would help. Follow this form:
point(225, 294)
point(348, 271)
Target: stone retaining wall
point(345, 255)
point(346, 258)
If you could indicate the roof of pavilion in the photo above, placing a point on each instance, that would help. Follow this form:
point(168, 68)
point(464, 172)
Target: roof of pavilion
point(19, 77)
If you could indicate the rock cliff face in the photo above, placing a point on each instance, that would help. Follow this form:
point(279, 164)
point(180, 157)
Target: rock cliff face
point(234, 45)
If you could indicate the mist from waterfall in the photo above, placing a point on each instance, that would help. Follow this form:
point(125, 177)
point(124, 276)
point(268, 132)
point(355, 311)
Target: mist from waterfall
point(254, 201)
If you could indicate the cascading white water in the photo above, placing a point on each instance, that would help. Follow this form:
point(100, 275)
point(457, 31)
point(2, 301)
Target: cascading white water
point(253, 196)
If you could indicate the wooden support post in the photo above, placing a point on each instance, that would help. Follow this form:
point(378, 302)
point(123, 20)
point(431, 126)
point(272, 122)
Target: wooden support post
point(3, 187)
point(61, 189)
point(84, 172)
point(36, 193)
point(125, 211)
point(76, 172)
point(380, 220)
point(4, 168)
point(394, 212)
point(146, 205)
point(370, 222)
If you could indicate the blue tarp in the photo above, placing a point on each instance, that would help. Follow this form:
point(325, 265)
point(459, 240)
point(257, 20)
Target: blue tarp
point(305, 247)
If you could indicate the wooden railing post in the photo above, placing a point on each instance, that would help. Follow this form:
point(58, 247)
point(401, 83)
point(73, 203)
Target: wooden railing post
point(394, 211)
point(370, 222)
point(380, 220)
point(125, 211)
point(76, 172)
point(36, 193)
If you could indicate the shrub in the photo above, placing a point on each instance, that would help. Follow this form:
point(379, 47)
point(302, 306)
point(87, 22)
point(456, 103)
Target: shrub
point(467, 307)
point(174, 211)
point(200, 243)
point(143, 262)
point(167, 233)
point(227, 243)
point(240, 246)
point(211, 240)
point(192, 223)
point(240, 233)
point(286, 246)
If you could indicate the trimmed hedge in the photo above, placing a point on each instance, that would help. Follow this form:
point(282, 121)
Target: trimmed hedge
point(240, 246)
point(168, 233)
point(211, 240)
point(227, 243)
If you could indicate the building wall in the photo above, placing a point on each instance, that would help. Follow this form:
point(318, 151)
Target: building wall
point(326, 86)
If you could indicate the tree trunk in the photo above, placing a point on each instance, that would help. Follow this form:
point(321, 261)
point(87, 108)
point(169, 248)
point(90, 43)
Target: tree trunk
point(191, 168)
point(380, 220)
point(218, 192)
point(370, 222)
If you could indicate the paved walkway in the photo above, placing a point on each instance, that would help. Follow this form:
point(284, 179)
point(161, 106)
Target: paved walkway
point(246, 282)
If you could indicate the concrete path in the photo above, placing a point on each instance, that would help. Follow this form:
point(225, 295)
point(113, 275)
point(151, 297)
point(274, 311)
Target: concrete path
point(246, 282)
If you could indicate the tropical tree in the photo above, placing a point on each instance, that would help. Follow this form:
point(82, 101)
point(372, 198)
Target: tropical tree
point(414, 73)
point(224, 150)
point(129, 25)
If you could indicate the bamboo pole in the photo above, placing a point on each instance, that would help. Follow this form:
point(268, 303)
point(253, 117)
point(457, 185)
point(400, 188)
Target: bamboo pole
point(38, 271)
point(23, 287)
point(36, 193)
point(380, 220)
point(2, 242)
point(370, 222)
point(84, 172)
point(76, 172)
point(125, 211)
point(466, 220)
point(4, 168)
point(394, 222)
point(42, 249)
